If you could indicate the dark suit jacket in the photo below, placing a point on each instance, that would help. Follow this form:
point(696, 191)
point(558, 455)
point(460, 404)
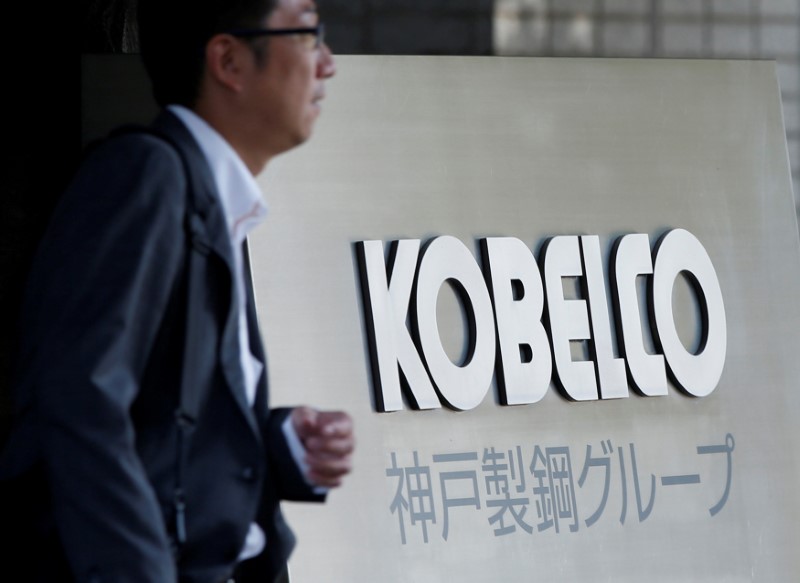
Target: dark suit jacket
point(100, 367)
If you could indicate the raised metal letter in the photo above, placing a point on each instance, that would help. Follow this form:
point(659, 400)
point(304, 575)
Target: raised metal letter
point(569, 319)
point(629, 259)
point(386, 309)
point(464, 386)
point(680, 251)
point(524, 363)
point(611, 374)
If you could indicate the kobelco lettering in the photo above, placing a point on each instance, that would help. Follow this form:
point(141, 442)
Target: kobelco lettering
point(505, 304)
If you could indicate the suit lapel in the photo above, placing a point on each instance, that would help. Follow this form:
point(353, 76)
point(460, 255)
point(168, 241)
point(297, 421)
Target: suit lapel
point(212, 232)
point(256, 344)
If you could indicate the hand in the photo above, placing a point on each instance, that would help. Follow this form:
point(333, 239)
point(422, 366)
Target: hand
point(328, 439)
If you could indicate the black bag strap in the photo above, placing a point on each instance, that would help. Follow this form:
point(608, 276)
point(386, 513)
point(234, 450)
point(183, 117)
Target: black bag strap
point(188, 405)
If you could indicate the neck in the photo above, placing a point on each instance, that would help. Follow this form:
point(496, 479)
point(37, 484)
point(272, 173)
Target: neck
point(238, 136)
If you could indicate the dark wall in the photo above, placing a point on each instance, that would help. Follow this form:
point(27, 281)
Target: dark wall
point(42, 143)
point(410, 27)
point(109, 26)
point(385, 27)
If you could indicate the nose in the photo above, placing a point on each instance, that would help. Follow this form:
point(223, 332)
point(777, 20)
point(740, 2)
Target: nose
point(326, 66)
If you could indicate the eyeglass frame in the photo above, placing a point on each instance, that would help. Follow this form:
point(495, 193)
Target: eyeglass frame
point(318, 32)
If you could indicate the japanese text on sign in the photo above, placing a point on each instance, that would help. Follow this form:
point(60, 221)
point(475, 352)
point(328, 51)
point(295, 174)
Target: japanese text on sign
point(526, 491)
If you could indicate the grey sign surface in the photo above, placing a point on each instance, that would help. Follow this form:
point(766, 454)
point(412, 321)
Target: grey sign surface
point(670, 487)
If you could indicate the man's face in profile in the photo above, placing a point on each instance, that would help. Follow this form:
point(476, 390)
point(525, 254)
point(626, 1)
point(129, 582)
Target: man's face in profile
point(284, 92)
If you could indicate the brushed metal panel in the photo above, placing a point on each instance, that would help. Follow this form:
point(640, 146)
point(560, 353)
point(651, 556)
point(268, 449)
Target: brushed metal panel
point(418, 147)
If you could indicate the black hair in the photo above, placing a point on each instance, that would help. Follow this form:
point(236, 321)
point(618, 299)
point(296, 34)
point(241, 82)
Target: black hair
point(173, 35)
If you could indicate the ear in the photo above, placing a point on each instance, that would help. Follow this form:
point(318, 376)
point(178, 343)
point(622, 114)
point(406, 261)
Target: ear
point(226, 61)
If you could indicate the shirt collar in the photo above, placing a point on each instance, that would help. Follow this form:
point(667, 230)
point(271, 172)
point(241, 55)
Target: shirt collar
point(241, 198)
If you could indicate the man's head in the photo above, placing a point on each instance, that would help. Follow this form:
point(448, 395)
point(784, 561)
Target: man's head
point(173, 35)
point(240, 64)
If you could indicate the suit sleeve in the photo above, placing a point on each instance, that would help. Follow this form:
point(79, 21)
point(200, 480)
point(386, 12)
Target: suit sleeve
point(97, 293)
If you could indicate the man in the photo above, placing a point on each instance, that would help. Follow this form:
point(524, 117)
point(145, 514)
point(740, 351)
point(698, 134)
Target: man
point(143, 432)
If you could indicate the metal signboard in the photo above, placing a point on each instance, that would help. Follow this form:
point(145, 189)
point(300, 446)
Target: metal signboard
point(560, 298)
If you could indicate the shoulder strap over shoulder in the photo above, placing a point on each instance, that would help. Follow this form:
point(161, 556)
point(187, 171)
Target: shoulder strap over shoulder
point(128, 129)
point(195, 229)
point(188, 406)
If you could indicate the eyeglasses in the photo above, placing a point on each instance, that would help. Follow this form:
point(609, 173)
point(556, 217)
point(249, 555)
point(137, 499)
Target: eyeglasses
point(314, 34)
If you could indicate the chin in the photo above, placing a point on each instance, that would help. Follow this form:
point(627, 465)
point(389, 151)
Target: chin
point(302, 138)
point(305, 133)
